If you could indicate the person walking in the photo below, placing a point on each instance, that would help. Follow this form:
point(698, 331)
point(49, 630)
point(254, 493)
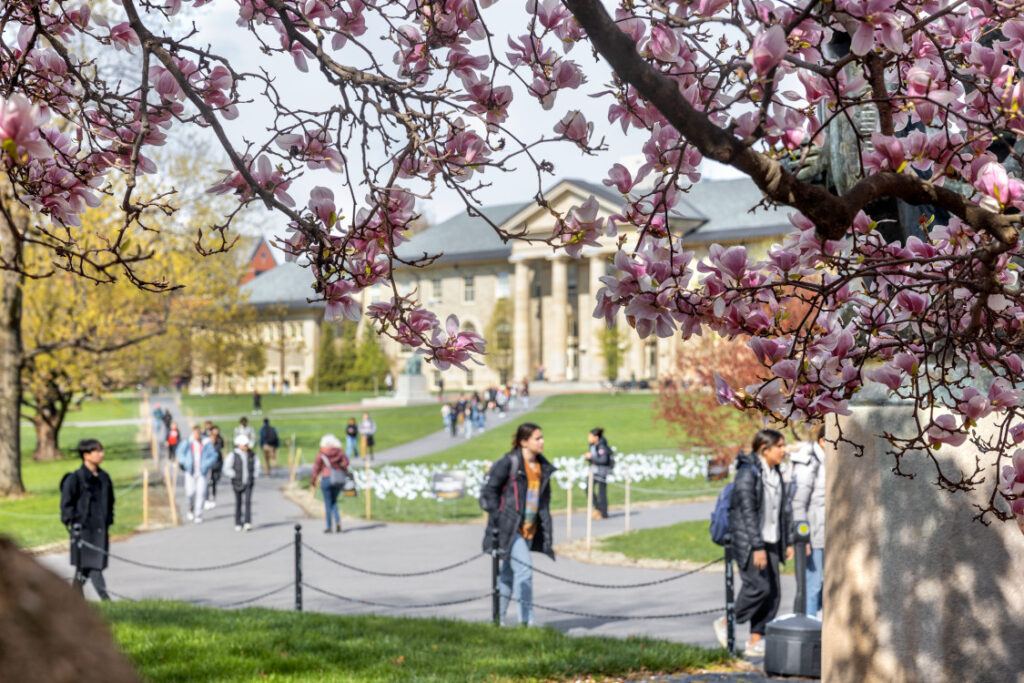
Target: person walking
point(173, 438)
point(218, 467)
point(809, 506)
point(446, 418)
point(517, 497)
point(330, 469)
point(243, 429)
point(257, 403)
point(368, 430)
point(352, 438)
point(759, 527)
point(242, 467)
point(269, 443)
point(87, 500)
point(196, 457)
point(601, 464)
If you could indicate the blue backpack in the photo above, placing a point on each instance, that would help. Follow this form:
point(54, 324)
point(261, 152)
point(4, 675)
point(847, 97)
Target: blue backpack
point(720, 516)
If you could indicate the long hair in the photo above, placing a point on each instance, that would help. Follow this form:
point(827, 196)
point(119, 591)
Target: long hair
point(598, 432)
point(524, 432)
point(766, 438)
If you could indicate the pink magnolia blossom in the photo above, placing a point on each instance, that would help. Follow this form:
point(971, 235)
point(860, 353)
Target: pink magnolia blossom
point(321, 203)
point(944, 430)
point(574, 126)
point(340, 303)
point(581, 227)
point(768, 49)
point(453, 347)
point(20, 137)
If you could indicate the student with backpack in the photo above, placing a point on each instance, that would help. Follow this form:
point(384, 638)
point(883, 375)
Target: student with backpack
point(601, 463)
point(517, 498)
point(759, 522)
point(809, 505)
point(87, 499)
point(269, 443)
point(242, 467)
point(330, 469)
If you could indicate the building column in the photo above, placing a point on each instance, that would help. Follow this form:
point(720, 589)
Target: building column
point(521, 318)
point(595, 350)
point(558, 315)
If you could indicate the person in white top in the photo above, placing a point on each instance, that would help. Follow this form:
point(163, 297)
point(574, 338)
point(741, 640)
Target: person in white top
point(809, 506)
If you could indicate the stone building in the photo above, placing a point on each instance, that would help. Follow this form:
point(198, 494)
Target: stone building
point(544, 299)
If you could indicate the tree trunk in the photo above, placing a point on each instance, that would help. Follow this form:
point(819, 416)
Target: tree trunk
point(47, 440)
point(10, 365)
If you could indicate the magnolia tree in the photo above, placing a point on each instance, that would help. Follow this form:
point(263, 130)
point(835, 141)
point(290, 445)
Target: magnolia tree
point(424, 98)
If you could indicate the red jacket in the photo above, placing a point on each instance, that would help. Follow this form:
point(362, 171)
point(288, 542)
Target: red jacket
point(335, 456)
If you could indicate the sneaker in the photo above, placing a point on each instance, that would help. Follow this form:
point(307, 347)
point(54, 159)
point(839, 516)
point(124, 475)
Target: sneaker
point(189, 516)
point(198, 520)
point(327, 530)
point(754, 649)
point(238, 527)
point(721, 626)
point(209, 505)
point(247, 527)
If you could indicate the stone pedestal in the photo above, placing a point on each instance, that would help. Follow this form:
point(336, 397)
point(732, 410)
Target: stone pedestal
point(915, 590)
point(409, 390)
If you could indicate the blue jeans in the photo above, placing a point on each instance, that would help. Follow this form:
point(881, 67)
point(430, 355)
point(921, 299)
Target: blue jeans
point(815, 580)
point(331, 511)
point(516, 580)
point(351, 446)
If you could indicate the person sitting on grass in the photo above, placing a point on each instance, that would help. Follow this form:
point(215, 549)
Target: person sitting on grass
point(87, 499)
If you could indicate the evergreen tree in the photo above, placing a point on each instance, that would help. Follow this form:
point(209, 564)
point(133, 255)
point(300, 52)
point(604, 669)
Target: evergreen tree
point(327, 366)
point(371, 362)
point(347, 356)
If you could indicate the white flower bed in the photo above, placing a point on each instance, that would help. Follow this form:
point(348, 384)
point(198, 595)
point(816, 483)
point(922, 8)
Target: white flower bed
point(410, 482)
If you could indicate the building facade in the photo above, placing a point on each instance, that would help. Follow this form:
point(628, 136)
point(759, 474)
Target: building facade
point(535, 304)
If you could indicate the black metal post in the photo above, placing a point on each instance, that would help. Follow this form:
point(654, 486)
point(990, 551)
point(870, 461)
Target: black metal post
point(730, 606)
point(800, 604)
point(298, 567)
point(76, 552)
point(495, 593)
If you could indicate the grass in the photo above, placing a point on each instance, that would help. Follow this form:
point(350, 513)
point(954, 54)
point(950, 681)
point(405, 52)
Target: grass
point(467, 509)
point(628, 421)
point(114, 407)
point(175, 642)
point(686, 541)
point(395, 426)
point(230, 404)
point(35, 518)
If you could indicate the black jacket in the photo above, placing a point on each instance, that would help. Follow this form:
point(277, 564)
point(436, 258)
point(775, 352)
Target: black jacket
point(88, 500)
point(503, 497)
point(745, 511)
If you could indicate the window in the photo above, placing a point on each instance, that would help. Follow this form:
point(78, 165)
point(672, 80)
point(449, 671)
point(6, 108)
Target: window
point(435, 289)
point(468, 292)
point(469, 378)
point(502, 288)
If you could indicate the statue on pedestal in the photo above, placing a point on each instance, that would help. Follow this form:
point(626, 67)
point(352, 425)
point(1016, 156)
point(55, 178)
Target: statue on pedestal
point(413, 365)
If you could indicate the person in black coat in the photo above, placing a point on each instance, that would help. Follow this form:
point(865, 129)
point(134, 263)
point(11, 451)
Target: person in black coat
point(600, 457)
point(87, 499)
point(759, 528)
point(517, 498)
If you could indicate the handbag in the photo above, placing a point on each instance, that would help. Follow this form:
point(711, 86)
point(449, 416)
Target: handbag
point(336, 477)
point(348, 489)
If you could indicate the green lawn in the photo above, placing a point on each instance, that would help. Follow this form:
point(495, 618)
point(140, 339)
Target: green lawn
point(175, 642)
point(686, 541)
point(230, 404)
point(628, 421)
point(394, 509)
point(35, 519)
point(115, 407)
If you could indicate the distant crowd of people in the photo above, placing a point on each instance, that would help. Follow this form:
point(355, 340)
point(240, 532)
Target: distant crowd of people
point(468, 413)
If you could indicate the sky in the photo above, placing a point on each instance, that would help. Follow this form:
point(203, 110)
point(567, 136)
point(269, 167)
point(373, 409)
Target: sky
point(216, 24)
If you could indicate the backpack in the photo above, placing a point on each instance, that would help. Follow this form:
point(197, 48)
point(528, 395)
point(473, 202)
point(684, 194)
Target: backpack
point(492, 519)
point(720, 516)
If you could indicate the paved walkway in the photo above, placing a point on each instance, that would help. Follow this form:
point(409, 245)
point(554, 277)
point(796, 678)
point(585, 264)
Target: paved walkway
point(407, 548)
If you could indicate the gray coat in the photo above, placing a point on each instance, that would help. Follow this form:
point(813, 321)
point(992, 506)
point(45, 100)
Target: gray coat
point(809, 491)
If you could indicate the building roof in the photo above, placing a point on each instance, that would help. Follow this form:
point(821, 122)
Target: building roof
point(288, 284)
point(463, 237)
point(685, 209)
point(726, 205)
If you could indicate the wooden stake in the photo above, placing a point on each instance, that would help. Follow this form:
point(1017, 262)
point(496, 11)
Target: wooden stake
point(368, 474)
point(169, 485)
point(568, 512)
point(627, 499)
point(145, 498)
point(590, 506)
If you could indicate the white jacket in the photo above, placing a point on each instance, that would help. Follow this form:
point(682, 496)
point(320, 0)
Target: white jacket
point(809, 490)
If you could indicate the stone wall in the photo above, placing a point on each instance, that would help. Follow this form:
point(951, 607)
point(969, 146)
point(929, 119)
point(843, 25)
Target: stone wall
point(915, 590)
